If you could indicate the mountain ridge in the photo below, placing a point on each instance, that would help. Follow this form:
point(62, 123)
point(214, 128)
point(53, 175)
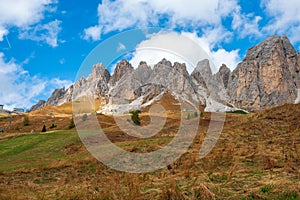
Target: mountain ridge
point(268, 76)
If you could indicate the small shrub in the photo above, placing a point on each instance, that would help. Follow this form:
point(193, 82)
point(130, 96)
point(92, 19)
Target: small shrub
point(44, 129)
point(52, 126)
point(135, 117)
point(238, 112)
point(26, 121)
point(84, 117)
point(72, 124)
point(266, 188)
point(201, 114)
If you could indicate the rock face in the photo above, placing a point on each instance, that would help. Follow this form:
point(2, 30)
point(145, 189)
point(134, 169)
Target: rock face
point(121, 69)
point(268, 76)
point(202, 73)
point(214, 83)
point(56, 95)
point(96, 84)
point(148, 83)
point(176, 79)
point(224, 75)
point(39, 105)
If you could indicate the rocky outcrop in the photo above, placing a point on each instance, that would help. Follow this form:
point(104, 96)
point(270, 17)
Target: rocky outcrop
point(202, 73)
point(121, 69)
point(268, 76)
point(181, 68)
point(149, 83)
point(224, 74)
point(148, 92)
point(292, 60)
point(212, 82)
point(39, 105)
point(55, 97)
point(96, 84)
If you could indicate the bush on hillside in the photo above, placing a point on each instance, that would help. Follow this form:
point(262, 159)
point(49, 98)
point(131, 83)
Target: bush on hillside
point(84, 117)
point(52, 126)
point(44, 129)
point(26, 121)
point(72, 124)
point(135, 117)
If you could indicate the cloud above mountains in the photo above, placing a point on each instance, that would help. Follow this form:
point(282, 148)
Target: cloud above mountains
point(183, 47)
point(285, 17)
point(122, 14)
point(212, 22)
point(18, 88)
point(119, 15)
point(27, 17)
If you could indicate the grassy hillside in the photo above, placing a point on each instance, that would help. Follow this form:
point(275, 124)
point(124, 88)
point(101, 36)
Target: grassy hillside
point(256, 157)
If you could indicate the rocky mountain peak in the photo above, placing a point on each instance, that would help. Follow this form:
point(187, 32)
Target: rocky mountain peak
point(143, 63)
point(100, 71)
point(224, 74)
point(267, 76)
point(39, 105)
point(202, 73)
point(143, 66)
point(288, 47)
point(56, 95)
point(163, 63)
point(264, 49)
point(181, 68)
point(121, 69)
point(204, 67)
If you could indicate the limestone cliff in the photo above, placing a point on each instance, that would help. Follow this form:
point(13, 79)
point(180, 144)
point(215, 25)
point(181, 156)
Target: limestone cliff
point(268, 76)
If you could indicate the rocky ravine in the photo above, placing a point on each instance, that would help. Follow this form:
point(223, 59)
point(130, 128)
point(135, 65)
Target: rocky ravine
point(268, 76)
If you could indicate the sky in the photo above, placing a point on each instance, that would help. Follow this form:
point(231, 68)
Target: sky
point(44, 43)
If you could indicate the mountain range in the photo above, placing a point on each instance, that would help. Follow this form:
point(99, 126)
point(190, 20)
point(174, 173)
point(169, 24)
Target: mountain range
point(268, 76)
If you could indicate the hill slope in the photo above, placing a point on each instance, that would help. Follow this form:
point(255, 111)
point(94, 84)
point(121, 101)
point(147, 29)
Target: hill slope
point(256, 157)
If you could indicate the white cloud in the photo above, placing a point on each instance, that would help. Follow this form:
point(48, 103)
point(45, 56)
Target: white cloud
point(285, 17)
point(25, 14)
point(170, 45)
point(211, 37)
point(60, 83)
point(22, 13)
point(3, 33)
point(229, 58)
point(185, 48)
point(121, 47)
point(122, 14)
point(43, 33)
point(246, 24)
point(19, 89)
point(92, 33)
point(195, 11)
point(210, 43)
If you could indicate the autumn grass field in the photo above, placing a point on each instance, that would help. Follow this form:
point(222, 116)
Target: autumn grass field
point(256, 157)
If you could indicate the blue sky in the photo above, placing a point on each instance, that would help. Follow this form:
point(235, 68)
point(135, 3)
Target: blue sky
point(44, 42)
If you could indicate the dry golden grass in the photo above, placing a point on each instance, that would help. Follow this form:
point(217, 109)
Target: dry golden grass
point(64, 110)
point(256, 157)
